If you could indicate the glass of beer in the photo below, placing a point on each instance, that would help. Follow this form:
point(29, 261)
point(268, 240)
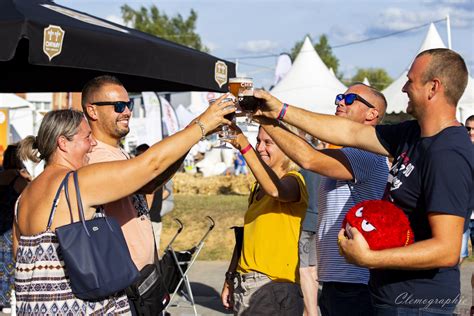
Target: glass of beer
point(226, 132)
point(242, 88)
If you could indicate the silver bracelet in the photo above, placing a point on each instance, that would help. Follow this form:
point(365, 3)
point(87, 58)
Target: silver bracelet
point(203, 130)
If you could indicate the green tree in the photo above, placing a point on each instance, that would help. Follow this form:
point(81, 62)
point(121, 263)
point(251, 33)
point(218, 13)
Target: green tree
point(324, 51)
point(176, 29)
point(378, 77)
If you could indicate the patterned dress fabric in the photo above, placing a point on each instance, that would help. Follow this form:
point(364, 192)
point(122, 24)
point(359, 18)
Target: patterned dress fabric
point(42, 285)
point(6, 268)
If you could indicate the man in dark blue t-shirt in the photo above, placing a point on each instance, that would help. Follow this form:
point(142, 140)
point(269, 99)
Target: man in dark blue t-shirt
point(432, 180)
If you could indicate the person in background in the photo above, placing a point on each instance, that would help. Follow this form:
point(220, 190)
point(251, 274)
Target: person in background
point(307, 243)
point(240, 166)
point(13, 179)
point(160, 202)
point(154, 202)
point(470, 230)
point(263, 278)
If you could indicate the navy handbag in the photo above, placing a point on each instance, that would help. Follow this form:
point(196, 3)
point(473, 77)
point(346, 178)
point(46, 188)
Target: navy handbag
point(95, 254)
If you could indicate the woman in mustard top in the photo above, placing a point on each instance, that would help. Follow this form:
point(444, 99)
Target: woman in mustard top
point(263, 277)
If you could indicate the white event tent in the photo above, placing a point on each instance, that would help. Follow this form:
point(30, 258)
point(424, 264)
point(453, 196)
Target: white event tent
point(397, 100)
point(309, 84)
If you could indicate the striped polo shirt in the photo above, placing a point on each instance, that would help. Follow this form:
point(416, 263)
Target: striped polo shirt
point(335, 198)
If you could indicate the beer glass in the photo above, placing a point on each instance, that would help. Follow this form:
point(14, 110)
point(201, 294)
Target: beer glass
point(226, 132)
point(242, 88)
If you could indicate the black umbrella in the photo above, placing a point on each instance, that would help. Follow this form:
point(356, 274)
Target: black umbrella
point(48, 47)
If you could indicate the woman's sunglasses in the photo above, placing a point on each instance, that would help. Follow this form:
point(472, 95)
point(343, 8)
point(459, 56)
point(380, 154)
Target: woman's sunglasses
point(119, 106)
point(350, 98)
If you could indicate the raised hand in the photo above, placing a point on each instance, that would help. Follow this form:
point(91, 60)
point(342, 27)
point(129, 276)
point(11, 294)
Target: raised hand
point(269, 105)
point(239, 141)
point(213, 117)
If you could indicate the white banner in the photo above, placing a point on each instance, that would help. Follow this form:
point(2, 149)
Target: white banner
point(169, 118)
point(153, 126)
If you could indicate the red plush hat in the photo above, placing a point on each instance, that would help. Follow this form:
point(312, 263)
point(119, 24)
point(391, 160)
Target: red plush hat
point(381, 223)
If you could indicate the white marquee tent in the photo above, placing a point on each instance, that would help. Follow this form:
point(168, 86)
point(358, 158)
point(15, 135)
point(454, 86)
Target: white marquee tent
point(309, 83)
point(397, 100)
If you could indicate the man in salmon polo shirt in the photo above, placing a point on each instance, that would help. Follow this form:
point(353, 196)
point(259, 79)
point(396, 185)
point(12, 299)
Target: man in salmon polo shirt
point(108, 110)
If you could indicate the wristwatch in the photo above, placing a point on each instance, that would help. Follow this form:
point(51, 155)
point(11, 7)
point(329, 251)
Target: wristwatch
point(230, 276)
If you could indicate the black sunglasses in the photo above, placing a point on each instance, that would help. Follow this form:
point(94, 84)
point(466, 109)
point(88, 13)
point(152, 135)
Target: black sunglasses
point(119, 106)
point(350, 98)
point(469, 129)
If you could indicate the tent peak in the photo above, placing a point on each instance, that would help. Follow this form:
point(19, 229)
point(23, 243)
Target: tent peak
point(307, 45)
point(432, 40)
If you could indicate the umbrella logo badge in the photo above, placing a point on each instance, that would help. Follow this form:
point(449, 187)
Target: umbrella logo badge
point(53, 41)
point(220, 73)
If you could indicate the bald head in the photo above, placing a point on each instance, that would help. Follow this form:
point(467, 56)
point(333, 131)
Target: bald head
point(377, 98)
point(361, 112)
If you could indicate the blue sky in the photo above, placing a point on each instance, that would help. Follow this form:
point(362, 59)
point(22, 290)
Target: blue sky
point(261, 27)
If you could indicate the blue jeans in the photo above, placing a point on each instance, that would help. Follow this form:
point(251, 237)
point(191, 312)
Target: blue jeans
point(338, 299)
point(403, 311)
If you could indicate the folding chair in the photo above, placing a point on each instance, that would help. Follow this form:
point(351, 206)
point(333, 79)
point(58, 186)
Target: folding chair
point(175, 266)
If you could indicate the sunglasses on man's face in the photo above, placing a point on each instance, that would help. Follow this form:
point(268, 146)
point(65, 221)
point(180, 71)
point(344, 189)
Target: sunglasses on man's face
point(469, 129)
point(119, 106)
point(350, 98)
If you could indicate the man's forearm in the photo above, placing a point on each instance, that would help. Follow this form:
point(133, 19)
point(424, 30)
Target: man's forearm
point(423, 255)
point(335, 130)
point(333, 164)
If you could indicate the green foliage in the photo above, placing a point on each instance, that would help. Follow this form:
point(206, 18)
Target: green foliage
point(324, 51)
point(176, 29)
point(378, 77)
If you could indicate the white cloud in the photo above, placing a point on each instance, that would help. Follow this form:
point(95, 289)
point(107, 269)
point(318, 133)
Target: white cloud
point(258, 46)
point(449, 2)
point(340, 35)
point(397, 19)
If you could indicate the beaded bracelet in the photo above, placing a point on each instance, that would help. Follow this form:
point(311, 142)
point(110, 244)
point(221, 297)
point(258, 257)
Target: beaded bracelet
point(282, 111)
point(246, 149)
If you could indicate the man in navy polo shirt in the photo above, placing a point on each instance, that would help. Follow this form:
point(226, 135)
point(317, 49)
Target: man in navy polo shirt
point(432, 180)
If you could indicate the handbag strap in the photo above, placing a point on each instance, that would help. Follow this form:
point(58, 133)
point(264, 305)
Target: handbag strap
point(66, 193)
point(80, 207)
point(56, 201)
